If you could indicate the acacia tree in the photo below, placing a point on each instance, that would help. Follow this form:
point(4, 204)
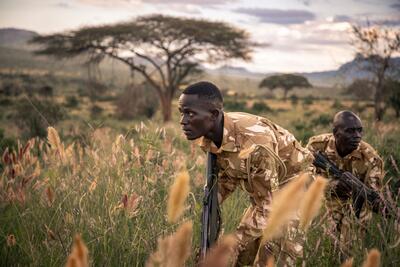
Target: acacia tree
point(164, 50)
point(376, 46)
point(285, 81)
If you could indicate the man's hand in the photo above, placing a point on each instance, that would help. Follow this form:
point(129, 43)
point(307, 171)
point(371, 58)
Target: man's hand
point(340, 189)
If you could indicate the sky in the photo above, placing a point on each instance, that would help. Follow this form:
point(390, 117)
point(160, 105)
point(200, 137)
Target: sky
point(302, 35)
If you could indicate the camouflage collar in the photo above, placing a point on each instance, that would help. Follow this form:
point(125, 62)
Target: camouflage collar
point(228, 139)
point(331, 150)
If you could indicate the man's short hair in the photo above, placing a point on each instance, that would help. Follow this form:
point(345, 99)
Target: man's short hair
point(207, 91)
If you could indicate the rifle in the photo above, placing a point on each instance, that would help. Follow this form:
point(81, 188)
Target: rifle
point(359, 191)
point(211, 219)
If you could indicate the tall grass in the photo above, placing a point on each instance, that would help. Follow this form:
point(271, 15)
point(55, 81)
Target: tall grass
point(113, 190)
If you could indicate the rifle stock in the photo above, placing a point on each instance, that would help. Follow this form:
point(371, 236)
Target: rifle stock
point(211, 212)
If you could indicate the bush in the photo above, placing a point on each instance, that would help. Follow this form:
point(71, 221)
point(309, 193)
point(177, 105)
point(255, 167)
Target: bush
point(322, 120)
point(136, 101)
point(337, 104)
point(46, 90)
point(5, 102)
point(308, 100)
point(12, 88)
point(303, 131)
point(72, 101)
point(33, 116)
point(260, 107)
point(294, 99)
point(96, 111)
point(233, 105)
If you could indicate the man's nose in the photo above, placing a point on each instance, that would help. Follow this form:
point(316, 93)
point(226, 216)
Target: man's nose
point(358, 134)
point(183, 120)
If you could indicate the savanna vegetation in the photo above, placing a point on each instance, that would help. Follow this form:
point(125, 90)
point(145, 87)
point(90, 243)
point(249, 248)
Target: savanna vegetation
point(105, 167)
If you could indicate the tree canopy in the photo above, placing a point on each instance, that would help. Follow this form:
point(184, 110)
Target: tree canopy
point(285, 81)
point(377, 46)
point(165, 50)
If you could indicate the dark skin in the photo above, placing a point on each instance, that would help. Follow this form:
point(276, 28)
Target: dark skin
point(200, 117)
point(347, 131)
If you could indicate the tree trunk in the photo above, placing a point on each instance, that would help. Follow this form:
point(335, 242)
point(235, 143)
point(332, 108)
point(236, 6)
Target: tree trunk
point(379, 105)
point(166, 106)
point(285, 92)
point(379, 95)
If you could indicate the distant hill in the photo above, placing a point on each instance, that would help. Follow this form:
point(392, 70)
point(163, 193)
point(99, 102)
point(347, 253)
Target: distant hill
point(16, 53)
point(16, 38)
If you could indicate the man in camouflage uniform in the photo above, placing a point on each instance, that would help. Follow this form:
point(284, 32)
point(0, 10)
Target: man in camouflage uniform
point(252, 153)
point(345, 149)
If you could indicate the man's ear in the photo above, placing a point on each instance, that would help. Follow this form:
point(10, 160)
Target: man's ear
point(215, 113)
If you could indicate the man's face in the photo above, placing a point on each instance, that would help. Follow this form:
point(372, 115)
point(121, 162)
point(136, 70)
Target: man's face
point(197, 120)
point(348, 134)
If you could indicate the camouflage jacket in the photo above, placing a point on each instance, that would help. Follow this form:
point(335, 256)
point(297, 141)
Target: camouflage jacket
point(256, 154)
point(363, 163)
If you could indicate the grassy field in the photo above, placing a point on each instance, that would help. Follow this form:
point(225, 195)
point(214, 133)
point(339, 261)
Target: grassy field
point(108, 179)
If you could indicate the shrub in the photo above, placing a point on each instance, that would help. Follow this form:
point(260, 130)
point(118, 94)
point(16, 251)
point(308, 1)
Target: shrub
point(234, 105)
point(71, 101)
point(260, 107)
point(5, 102)
point(11, 88)
point(96, 111)
point(33, 116)
point(337, 104)
point(136, 101)
point(303, 131)
point(322, 120)
point(294, 99)
point(308, 100)
point(46, 90)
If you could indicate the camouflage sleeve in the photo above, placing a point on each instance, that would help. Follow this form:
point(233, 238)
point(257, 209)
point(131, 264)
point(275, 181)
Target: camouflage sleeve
point(263, 171)
point(375, 173)
point(226, 186)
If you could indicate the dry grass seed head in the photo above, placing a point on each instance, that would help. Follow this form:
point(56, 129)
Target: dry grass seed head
point(220, 255)
point(11, 240)
point(173, 250)
point(312, 201)
point(79, 254)
point(284, 206)
point(177, 196)
point(373, 258)
point(347, 263)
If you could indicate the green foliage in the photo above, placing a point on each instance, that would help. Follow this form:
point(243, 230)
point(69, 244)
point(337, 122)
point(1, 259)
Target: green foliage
point(308, 100)
point(5, 101)
point(96, 111)
point(169, 48)
point(235, 105)
point(72, 101)
point(294, 99)
point(303, 131)
point(260, 107)
point(322, 120)
point(337, 105)
point(33, 116)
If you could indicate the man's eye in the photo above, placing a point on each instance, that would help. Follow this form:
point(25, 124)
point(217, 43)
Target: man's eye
point(191, 114)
